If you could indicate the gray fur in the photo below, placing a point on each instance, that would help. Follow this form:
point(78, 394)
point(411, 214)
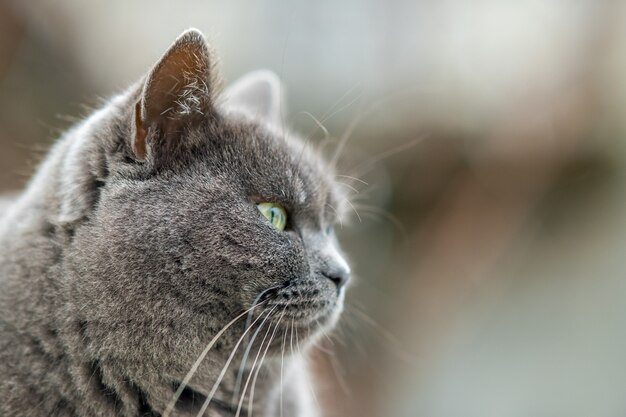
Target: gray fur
point(116, 269)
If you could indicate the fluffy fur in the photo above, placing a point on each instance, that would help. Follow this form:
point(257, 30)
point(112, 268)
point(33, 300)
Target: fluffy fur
point(139, 239)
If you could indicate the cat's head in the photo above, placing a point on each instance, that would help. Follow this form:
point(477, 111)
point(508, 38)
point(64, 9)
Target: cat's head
point(201, 205)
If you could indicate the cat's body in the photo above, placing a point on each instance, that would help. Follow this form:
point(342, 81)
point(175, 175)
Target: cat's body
point(138, 240)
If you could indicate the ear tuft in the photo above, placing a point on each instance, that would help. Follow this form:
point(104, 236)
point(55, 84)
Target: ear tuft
point(177, 92)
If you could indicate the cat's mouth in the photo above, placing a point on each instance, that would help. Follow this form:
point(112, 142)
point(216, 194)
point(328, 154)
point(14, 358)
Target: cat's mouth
point(306, 313)
point(308, 303)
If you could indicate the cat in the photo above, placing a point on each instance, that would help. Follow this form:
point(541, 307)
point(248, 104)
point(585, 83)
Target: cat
point(174, 252)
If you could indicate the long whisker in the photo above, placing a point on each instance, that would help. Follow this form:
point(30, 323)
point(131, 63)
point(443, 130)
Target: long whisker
point(318, 123)
point(256, 375)
point(344, 139)
point(256, 358)
point(324, 333)
point(249, 347)
point(345, 184)
point(355, 210)
point(245, 357)
point(224, 369)
point(350, 177)
point(196, 365)
point(250, 343)
point(365, 194)
point(328, 114)
point(366, 111)
point(336, 214)
point(256, 300)
point(325, 118)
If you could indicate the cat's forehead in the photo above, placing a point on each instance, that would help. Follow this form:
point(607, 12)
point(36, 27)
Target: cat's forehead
point(275, 163)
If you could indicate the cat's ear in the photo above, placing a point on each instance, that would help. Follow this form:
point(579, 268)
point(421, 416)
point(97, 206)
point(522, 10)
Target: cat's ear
point(259, 94)
point(175, 95)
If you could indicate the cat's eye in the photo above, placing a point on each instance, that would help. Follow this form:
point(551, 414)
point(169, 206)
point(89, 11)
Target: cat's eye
point(329, 230)
point(275, 213)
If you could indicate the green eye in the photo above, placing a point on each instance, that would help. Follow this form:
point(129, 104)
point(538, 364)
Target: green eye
point(275, 213)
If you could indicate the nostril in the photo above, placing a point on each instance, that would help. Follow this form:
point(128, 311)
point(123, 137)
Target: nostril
point(339, 277)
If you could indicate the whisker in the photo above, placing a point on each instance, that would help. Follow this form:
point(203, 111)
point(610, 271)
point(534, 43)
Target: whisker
point(324, 333)
point(249, 346)
point(355, 211)
point(352, 178)
point(327, 115)
point(223, 372)
point(336, 214)
point(245, 358)
point(196, 365)
point(256, 358)
point(371, 108)
point(256, 375)
point(340, 109)
point(331, 112)
point(348, 186)
point(318, 123)
point(365, 194)
point(344, 139)
point(256, 300)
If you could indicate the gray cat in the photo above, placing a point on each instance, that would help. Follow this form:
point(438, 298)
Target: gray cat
point(174, 253)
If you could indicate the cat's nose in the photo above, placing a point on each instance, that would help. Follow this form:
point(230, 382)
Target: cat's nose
point(340, 276)
point(336, 268)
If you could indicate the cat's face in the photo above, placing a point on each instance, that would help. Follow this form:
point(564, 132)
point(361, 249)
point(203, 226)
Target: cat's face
point(177, 245)
point(196, 230)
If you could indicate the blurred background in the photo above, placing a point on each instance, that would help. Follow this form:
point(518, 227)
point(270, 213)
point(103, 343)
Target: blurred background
point(488, 162)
